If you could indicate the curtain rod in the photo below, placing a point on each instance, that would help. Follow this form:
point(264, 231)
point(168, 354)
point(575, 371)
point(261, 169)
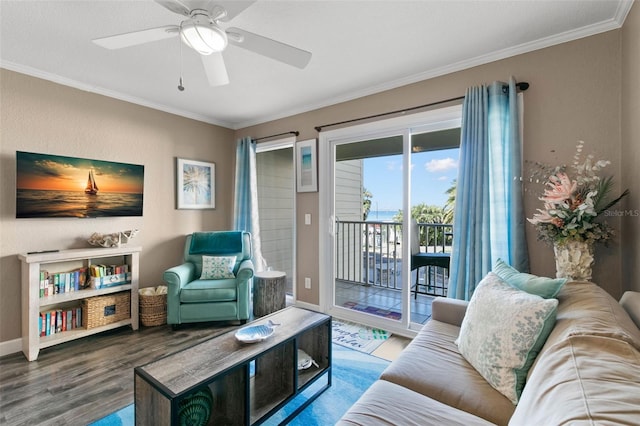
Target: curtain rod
point(292, 132)
point(522, 86)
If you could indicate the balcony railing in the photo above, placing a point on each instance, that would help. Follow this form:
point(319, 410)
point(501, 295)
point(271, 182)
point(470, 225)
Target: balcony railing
point(370, 253)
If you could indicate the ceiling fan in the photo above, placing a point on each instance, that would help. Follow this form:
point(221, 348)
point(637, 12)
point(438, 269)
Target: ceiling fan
point(202, 32)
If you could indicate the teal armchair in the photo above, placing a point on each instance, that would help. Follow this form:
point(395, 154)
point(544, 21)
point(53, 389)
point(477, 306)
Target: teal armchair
point(223, 293)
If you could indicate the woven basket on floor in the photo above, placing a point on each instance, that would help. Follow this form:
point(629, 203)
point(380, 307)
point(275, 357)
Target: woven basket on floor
point(102, 310)
point(153, 309)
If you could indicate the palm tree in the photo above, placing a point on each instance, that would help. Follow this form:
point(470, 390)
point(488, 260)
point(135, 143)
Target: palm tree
point(424, 213)
point(450, 205)
point(196, 181)
point(366, 203)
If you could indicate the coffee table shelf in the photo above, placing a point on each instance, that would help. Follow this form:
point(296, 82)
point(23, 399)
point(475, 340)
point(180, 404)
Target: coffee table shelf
point(248, 382)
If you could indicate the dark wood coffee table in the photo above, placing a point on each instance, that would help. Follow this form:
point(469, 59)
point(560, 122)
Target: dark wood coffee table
point(249, 382)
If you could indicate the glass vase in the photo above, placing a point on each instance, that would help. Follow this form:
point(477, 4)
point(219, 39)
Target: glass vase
point(574, 260)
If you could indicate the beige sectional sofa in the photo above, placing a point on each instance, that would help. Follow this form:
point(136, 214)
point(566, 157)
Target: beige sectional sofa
point(587, 372)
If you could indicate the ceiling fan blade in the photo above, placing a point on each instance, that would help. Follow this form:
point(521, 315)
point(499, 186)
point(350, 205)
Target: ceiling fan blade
point(270, 48)
point(176, 6)
point(184, 7)
point(137, 37)
point(215, 69)
point(233, 7)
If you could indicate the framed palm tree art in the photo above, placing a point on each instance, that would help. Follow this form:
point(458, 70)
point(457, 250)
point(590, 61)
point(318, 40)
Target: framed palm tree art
point(195, 184)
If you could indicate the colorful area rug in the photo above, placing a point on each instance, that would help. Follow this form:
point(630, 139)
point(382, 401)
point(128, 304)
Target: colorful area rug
point(353, 373)
point(373, 310)
point(357, 336)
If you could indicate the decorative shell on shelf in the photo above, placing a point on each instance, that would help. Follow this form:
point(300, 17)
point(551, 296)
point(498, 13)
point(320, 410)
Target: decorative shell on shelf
point(115, 239)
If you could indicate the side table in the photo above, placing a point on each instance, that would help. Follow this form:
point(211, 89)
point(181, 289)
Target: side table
point(269, 292)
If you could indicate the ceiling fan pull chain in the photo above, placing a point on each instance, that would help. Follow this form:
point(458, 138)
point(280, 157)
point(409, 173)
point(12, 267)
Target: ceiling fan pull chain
point(180, 86)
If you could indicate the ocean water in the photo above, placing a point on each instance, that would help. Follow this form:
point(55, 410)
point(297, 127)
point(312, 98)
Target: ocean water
point(35, 203)
point(381, 215)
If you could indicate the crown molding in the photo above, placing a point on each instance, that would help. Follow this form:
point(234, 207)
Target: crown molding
point(33, 72)
point(624, 7)
point(615, 23)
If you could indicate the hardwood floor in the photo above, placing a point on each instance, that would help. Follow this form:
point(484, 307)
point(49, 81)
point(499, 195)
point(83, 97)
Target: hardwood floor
point(78, 382)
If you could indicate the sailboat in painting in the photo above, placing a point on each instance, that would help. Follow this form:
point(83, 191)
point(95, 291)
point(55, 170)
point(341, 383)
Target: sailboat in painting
point(92, 187)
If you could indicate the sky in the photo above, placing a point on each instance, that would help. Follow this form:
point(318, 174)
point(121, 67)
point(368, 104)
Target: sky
point(431, 175)
point(58, 173)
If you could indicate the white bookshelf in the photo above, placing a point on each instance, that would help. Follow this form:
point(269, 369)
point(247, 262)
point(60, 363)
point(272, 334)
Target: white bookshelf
point(61, 261)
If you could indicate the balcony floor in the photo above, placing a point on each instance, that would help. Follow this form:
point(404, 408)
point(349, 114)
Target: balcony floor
point(381, 301)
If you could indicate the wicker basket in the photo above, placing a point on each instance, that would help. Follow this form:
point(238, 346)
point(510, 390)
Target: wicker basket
point(153, 309)
point(103, 310)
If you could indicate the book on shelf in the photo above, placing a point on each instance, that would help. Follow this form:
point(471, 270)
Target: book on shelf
point(106, 270)
point(62, 282)
point(110, 280)
point(44, 283)
point(59, 320)
point(93, 276)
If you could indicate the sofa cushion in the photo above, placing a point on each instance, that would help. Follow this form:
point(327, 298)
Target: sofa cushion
point(586, 309)
point(217, 267)
point(591, 380)
point(386, 403)
point(198, 312)
point(432, 366)
point(205, 291)
point(541, 286)
point(503, 331)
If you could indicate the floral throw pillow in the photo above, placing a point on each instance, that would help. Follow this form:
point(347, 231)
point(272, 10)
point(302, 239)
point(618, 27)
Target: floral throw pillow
point(217, 267)
point(502, 332)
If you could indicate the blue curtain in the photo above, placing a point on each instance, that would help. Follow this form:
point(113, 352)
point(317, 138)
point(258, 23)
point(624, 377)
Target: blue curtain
point(489, 221)
point(245, 206)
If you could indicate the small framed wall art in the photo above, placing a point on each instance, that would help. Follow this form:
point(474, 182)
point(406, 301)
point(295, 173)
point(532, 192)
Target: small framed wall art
point(195, 184)
point(306, 166)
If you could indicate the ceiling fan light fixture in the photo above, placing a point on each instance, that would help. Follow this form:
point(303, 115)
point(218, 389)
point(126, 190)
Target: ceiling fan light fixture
point(203, 36)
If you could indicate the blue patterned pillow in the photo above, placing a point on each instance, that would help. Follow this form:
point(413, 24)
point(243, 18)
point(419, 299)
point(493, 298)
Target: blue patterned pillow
point(217, 267)
point(502, 332)
point(541, 286)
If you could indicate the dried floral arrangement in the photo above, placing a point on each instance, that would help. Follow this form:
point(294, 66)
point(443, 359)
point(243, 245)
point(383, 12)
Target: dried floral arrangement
point(575, 199)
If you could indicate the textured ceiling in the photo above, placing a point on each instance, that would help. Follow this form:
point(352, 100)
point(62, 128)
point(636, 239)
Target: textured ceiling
point(359, 48)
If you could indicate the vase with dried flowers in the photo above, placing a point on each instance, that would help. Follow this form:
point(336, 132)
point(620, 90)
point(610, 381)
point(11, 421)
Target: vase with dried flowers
point(575, 198)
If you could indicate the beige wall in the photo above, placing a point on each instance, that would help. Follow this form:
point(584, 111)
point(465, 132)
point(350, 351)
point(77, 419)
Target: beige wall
point(575, 94)
point(631, 148)
point(40, 116)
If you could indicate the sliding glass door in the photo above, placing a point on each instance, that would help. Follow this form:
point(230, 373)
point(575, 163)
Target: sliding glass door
point(368, 254)
point(367, 194)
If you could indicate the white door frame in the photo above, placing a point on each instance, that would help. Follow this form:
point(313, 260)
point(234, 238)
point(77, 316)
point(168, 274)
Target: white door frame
point(288, 142)
point(433, 120)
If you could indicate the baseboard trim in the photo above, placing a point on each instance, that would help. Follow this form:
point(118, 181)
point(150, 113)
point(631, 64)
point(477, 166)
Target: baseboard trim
point(309, 306)
point(10, 347)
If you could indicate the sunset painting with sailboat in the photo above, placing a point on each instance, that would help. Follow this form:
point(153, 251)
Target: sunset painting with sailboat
point(59, 186)
point(92, 187)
